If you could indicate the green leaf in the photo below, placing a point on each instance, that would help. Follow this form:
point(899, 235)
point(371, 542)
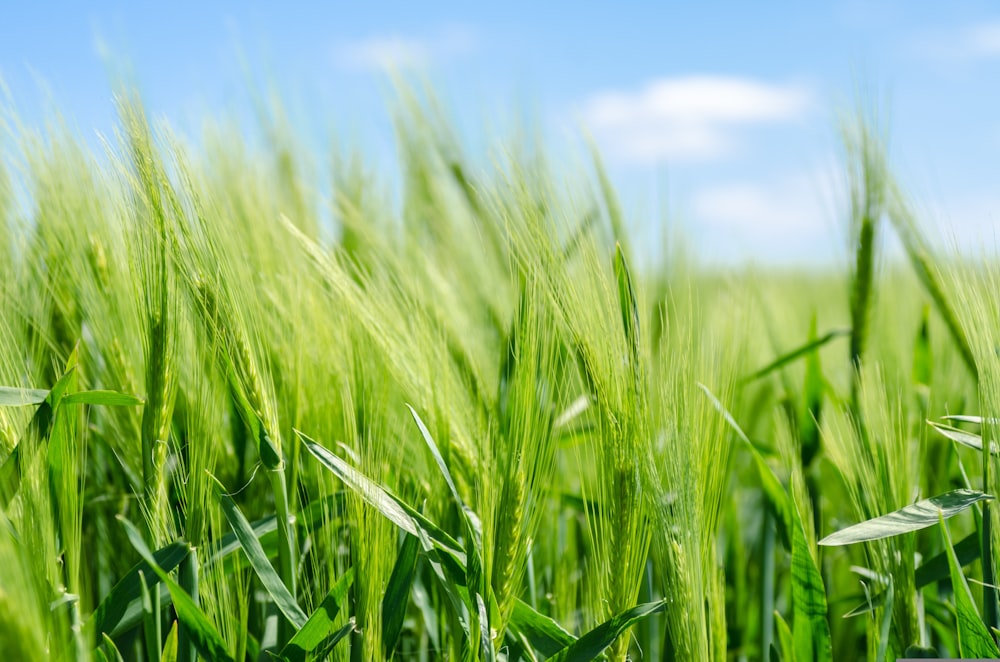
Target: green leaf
point(309, 520)
point(974, 639)
point(964, 438)
point(151, 623)
point(39, 428)
point(111, 616)
point(869, 605)
point(169, 653)
point(19, 397)
point(265, 528)
point(885, 627)
point(784, 639)
point(936, 568)
point(390, 506)
point(628, 302)
point(258, 560)
point(327, 645)
point(105, 398)
point(438, 546)
point(438, 458)
point(369, 491)
point(475, 576)
point(797, 353)
point(597, 640)
point(397, 594)
point(320, 625)
point(963, 418)
point(914, 517)
point(545, 635)
point(109, 644)
point(204, 635)
point(810, 627)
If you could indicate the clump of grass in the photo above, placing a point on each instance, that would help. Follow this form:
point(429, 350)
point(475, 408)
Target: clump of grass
point(685, 481)
point(881, 474)
point(971, 287)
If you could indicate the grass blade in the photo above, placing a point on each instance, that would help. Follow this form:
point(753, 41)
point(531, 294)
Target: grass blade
point(391, 507)
point(258, 560)
point(595, 642)
point(962, 418)
point(914, 517)
point(327, 645)
point(797, 353)
point(109, 617)
point(544, 634)
point(169, 653)
point(475, 576)
point(974, 639)
point(151, 628)
point(810, 627)
point(968, 439)
point(884, 628)
point(320, 624)
point(204, 635)
point(19, 397)
point(374, 495)
point(397, 594)
point(112, 649)
point(438, 458)
point(104, 398)
point(787, 648)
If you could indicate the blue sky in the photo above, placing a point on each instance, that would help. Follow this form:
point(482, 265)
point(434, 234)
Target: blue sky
point(721, 115)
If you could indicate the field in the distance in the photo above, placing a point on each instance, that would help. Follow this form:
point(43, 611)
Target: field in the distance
point(473, 424)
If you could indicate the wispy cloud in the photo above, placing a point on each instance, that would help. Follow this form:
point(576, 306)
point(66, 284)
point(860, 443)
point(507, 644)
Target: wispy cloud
point(779, 218)
point(405, 51)
point(983, 40)
point(978, 41)
point(688, 118)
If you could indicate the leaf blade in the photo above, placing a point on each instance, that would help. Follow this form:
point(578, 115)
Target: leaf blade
point(914, 517)
point(204, 635)
point(595, 642)
point(19, 397)
point(265, 572)
point(103, 398)
point(974, 639)
point(319, 626)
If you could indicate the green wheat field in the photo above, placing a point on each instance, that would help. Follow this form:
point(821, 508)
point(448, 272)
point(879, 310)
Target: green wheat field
point(464, 416)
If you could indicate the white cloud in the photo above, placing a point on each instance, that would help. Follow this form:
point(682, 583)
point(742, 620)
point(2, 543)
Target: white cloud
point(788, 218)
point(688, 118)
point(747, 206)
point(406, 52)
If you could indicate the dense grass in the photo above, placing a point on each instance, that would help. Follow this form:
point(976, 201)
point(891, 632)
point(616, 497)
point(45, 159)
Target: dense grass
point(475, 423)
